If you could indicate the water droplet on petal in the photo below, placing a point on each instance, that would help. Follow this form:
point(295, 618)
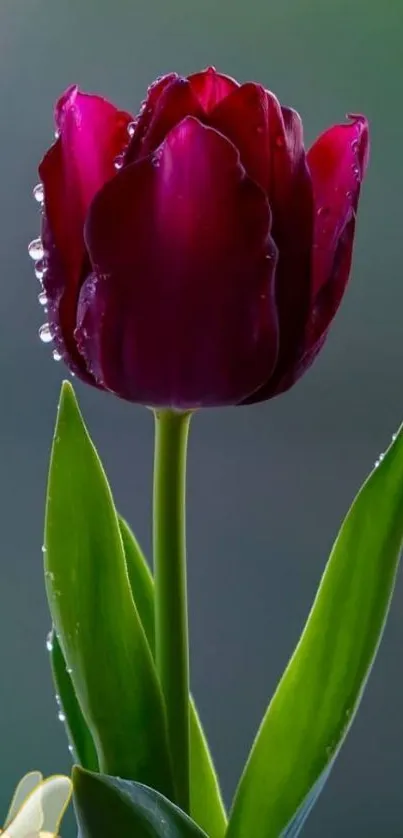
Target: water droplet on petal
point(35, 249)
point(56, 355)
point(323, 211)
point(279, 141)
point(38, 193)
point(57, 133)
point(45, 333)
point(131, 128)
point(42, 298)
point(40, 269)
point(49, 642)
point(119, 162)
point(354, 145)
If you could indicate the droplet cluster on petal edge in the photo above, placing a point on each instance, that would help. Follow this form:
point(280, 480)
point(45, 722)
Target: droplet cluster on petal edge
point(37, 254)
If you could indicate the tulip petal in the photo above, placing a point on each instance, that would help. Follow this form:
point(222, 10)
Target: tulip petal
point(179, 311)
point(44, 807)
point(142, 122)
point(175, 102)
point(270, 142)
point(25, 787)
point(81, 161)
point(337, 161)
point(211, 87)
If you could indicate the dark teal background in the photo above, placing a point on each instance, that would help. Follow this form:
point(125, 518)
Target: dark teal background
point(268, 485)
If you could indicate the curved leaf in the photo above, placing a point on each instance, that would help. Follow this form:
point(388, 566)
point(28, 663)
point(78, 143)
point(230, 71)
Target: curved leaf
point(206, 805)
point(107, 807)
point(319, 693)
point(81, 741)
point(93, 611)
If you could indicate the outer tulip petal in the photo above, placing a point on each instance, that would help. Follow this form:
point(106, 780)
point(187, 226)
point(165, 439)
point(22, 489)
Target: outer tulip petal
point(43, 809)
point(180, 308)
point(270, 142)
point(176, 101)
point(338, 161)
point(92, 133)
point(211, 87)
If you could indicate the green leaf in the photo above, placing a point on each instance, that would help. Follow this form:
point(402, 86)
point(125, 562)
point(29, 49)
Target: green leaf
point(206, 805)
point(93, 611)
point(78, 733)
point(141, 582)
point(107, 807)
point(319, 693)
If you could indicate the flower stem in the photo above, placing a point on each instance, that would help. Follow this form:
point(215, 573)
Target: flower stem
point(171, 618)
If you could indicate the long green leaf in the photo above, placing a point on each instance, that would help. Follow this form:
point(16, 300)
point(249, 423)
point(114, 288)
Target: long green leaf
point(206, 805)
point(107, 807)
point(81, 741)
point(93, 611)
point(319, 693)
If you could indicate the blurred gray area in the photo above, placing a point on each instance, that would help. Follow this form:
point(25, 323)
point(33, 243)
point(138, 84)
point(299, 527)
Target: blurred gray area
point(268, 485)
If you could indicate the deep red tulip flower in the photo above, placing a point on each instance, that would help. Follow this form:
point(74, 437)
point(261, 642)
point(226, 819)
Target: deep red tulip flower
point(196, 254)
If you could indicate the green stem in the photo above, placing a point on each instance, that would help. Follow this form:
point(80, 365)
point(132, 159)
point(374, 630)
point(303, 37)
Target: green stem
point(171, 620)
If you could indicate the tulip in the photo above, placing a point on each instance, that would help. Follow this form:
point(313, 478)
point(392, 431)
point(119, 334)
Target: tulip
point(37, 806)
point(194, 255)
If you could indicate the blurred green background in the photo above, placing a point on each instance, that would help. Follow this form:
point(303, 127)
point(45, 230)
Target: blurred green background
point(268, 485)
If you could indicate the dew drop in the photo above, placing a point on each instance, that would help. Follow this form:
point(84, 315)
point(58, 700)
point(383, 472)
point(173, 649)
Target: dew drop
point(42, 298)
point(69, 670)
point(43, 548)
point(356, 173)
point(131, 128)
point(61, 716)
point(35, 249)
point(354, 145)
point(71, 749)
point(40, 269)
point(56, 355)
point(49, 642)
point(38, 193)
point(119, 162)
point(57, 134)
point(279, 141)
point(45, 333)
point(394, 436)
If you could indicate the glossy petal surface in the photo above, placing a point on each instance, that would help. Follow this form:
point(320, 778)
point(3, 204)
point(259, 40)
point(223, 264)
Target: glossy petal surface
point(179, 310)
point(337, 161)
point(211, 87)
point(92, 133)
